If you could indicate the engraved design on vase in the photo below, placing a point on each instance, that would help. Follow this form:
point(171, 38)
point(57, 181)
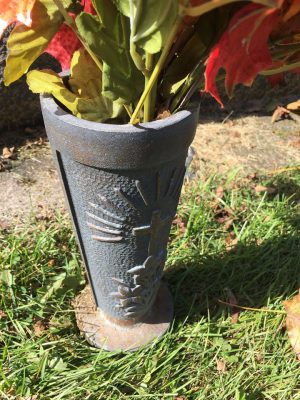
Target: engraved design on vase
point(137, 299)
point(106, 226)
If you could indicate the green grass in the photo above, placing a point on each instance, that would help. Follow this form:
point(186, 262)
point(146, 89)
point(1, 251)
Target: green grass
point(41, 272)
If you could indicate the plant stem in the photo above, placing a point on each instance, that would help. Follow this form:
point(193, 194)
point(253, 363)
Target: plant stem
point(71, 24)
point(68, 19)
point(211, 5)
point(128, 110)
point(148, 102)
point(137, 59)
point(157, 70)
point(284, 68)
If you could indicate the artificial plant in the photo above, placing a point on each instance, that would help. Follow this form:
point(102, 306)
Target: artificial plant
point(128, 60)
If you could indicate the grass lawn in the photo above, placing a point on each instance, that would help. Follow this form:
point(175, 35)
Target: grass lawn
point(229, 242)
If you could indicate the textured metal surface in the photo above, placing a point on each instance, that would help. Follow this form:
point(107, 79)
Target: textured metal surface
point(119, 146)
point(103, 332)
point(122, 215)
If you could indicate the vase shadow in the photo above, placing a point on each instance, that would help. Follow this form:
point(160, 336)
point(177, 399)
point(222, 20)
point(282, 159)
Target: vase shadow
point(255, 274)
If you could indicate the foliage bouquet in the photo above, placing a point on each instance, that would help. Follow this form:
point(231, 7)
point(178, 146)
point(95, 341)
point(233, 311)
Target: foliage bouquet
point(138, 60)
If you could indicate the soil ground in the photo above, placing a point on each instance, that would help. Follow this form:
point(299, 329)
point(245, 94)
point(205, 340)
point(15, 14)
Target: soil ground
point(241, 136)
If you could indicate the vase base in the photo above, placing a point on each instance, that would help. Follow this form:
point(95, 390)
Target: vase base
point(103, 333)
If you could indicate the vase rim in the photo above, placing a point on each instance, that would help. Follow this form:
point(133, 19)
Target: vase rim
point(49, 102)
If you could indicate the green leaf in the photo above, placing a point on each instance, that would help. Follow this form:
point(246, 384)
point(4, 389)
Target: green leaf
point(194, 50)
point(123, 6)
point(26, 44)
point(84, 98)
point(48, 82)
point(86, 78)
point(152, 22)
point(176, 86)
point(183, 64)
point(86, 82)
point(108, 37)
point(58, 364)
point(7, 277)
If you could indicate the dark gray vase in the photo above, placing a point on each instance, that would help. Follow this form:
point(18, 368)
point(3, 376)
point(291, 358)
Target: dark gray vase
point(122, 184)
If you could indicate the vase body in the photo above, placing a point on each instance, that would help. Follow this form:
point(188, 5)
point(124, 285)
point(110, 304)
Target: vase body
point(122, 184)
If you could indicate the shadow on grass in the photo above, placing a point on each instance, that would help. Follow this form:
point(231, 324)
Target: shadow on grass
point(256, 274)
point(286, 186)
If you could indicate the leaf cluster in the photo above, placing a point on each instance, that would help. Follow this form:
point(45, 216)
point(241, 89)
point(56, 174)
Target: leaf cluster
point(136, 59)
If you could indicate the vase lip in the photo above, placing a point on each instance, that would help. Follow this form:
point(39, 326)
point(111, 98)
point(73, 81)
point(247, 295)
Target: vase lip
point(53, 107)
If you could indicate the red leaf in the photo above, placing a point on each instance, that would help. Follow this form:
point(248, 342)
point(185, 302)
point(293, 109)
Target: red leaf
point(243, 49)
point(15, 10)
point(88, 6)
point(65, 42)
point(63, 46)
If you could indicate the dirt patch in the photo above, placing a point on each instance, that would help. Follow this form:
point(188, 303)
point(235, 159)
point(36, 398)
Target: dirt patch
point(247, 143)
point(242, 134)
point(29, 184)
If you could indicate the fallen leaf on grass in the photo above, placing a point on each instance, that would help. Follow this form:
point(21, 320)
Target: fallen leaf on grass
point(296, 144)
point(219, 210)
point(219, 192)
point(227, 221)
point(51, 262)
point(233, 302)
point(292, 308)
point(259, 357)
point(2, 314)
point(222, 220)
point(223, 215)
point(261, 188)
point(231, 241)
point(180, 224)
point(8, 153)
point(39, 328)
point(253, 176)
point(228, 224)
point(280, 114)
point(294, 107)
point(221, 366)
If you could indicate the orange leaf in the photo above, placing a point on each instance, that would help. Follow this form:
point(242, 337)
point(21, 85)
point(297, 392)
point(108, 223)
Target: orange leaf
point(293, 322)
point(15, 10)
point(295, 106)
point(221, 366)
point(292, 11)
